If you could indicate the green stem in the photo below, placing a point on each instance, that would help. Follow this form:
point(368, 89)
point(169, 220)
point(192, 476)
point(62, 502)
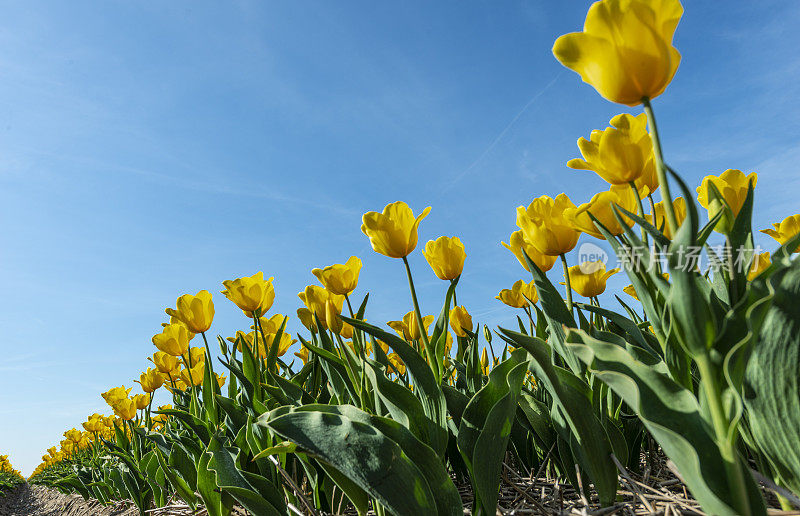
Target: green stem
point(432, 362)
point(188, 364)
point(641, 211)
point(569, 284)
point(661, 171)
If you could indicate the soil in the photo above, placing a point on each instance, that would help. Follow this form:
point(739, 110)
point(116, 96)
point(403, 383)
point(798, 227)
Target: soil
point(25, 500)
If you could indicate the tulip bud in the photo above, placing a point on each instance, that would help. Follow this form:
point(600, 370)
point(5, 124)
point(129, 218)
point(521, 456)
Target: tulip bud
point(487, 334)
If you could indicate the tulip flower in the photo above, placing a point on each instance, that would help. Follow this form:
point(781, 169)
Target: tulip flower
point(678, 205)
point(302, 354)
point(196, 312)
point(600, 206)
point(195, 355)
point(164, 362)
point(589, 278)
point(619, 154)
point(126, 409)
point(446, 257)
point(193, 376)
point(545, 226)
point(393, 233)
point(272, 324)
point(315, 297)
point(517, 244)
point(408, 327)
point(221, 378)
point(732, 186)
point(173, 340)
point(340, 279)
point(141, 400)
point(151, 380)
point(460, 320)
point(760, 263)
point(625, 50)
point(307, 318)
point(396, 363)
point(113, 396)
point(251, 293)
point(519, 294)
point(785, 230)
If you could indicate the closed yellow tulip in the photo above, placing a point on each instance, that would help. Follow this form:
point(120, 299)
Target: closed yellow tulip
point(173, 340)
point(619, 154)
point(446, 257)
point(195, 356)
point(516, 296)
point(271, 324)
point(600, 206)
point(315, 297)
point(589, 278)
point(164, 362)
point(460, 320)
point(625, 50)
point(332, 319)
point(393, 232)
point(196, 312)
point(193, 376)
point(760, 263)
point(141, 400)
point(113, 396)
point(340, 278)
point(732, 185)
point(544, 225)
point(784, 230)
point(517, 244)
point(678, 206)
point(125, 409)
point(251, 293)
point(283, 344)
point(307, 318)
point(408, 327)
point(151, 380)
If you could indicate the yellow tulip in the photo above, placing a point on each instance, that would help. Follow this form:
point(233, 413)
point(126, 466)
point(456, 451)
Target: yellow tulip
point(151, 380)
point(220, 379)
point(625, 50)
point(545, 226)
point(408, 327)
point(195, 356)
point(678, 206)
point(174, 339)
point(785, 230)
point(589, 278)
point(283, 344)
point(393, 233)
point(517, 244)
point(113, 396)
point(631, 292)
point(251, 293)
point(760, 262)
point(126, 409)
point(196, 312)
point(600, 206)
point(307, 318)
point(302, 354)
point(164, 362)
point(732, 185)
point(516, 296)
point(315, 298)
point(339, 278)
point(193, 376)
point(141, 400)
point(73, 435)
point(619, 154)
point(460, 320)
point(396, 363)
point(446, 257)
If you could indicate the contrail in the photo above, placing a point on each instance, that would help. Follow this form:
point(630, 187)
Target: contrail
point(499, 137)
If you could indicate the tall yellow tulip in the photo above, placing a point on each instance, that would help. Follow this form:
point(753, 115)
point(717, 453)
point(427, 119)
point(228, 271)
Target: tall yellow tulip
point(340, 279)
point(196, 312)
point(517, 243)
point(408, 327)
point(679, 207)
point(625, 50)
point(589, 278)
point(784, 230)
point(151, 380)
point(173, 340)
point(460, 320)
point(516, 296)
point(600, 206)
point(164, 362)
point(544, 225)
point(315, 297)
point(251, 293)
point(619, 154)
point(732, 185)
point(393, 232)
point(446, 257)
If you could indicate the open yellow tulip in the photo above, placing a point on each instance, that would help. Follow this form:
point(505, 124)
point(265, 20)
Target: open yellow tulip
point(784, 230)
point(393, 233)
point(446, 257)
point(544, 225)
point(340, 279)
point(625, 50)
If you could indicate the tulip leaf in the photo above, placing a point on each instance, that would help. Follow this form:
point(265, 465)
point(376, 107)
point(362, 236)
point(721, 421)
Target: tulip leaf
point(673, 416)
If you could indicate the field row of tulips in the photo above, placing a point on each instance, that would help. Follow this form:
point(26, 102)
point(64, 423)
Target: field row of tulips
point(9, 477)
point(698, 364)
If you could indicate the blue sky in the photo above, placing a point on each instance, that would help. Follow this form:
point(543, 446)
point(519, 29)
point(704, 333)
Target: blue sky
point(153, 149)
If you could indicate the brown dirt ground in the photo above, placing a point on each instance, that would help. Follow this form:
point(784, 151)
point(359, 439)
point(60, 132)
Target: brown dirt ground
point(27, 500)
